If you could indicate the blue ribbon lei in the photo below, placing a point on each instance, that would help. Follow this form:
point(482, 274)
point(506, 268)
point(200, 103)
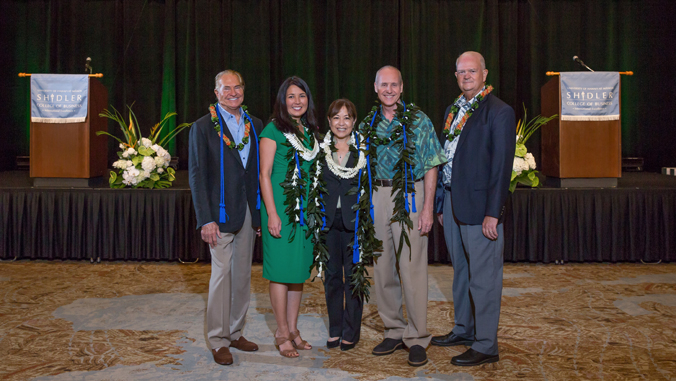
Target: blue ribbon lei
point(223, 216)
point(368, 165)
point(355, 247)
point(405, 170)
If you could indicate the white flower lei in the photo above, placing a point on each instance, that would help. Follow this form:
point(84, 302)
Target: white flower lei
point(337, 169)
point(305, 153)
point(318, 226)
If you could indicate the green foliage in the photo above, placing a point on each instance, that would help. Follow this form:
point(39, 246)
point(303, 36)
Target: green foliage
point(520, 150)
point(525, 128)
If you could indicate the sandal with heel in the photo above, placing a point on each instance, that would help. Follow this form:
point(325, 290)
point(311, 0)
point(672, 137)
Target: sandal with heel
point(303, 346)
point(288, 353)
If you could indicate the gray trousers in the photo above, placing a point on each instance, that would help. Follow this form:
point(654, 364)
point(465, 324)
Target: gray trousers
point(412, 273)
point(477, 280)
point(230, 285)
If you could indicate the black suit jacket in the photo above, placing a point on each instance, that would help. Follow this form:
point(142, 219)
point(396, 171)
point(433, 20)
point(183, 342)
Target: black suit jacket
point(482, 165)
point(336, 186)
point(241, 184)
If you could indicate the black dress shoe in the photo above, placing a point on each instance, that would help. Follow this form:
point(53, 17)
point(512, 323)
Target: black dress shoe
point(449, 340)
point(417, 356)
point(472, 358)
point(333, 344)
point(347, 347)
point(387, 347)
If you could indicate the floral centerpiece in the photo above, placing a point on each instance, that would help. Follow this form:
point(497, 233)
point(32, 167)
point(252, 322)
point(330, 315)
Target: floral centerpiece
point(523, 169)
point(143, 162)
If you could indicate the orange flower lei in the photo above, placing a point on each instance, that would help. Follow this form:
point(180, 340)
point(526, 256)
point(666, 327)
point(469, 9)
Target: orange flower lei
point(228, 142)
point(454, 110)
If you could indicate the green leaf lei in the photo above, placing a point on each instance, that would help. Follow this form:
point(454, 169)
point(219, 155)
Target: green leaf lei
point(294, 189)
point(407, 155)
point(316, 216)
point(368, 243)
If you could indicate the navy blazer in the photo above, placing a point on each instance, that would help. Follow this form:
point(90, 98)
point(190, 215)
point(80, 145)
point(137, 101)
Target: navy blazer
point(241, 184)
point(337, 186)
point(482, 165)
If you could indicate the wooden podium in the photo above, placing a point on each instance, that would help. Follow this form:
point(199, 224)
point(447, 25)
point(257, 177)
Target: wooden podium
point(578, 153)
point(70, 154)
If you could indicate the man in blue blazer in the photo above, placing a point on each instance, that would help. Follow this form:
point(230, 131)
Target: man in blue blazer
point(223, 166)
point(479, 139)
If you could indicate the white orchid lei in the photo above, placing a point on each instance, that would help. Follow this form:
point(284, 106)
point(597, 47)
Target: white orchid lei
point(365, 242)
point(337, 169)
point(294, 186)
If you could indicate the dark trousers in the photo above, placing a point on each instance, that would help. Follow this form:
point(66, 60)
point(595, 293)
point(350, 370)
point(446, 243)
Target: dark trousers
point(345, 310)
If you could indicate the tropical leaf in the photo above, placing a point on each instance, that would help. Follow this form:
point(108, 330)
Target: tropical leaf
point(145, 151)
point(520, 150)
point(137, 160)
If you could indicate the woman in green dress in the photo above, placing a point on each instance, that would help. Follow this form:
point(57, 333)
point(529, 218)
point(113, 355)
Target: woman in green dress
point(288, 147)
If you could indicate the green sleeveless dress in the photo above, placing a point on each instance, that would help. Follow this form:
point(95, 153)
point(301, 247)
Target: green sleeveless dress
point(284, 261)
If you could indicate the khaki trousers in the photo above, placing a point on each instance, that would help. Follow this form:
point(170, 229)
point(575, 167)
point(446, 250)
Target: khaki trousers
point(230, 285)
point(412, 273)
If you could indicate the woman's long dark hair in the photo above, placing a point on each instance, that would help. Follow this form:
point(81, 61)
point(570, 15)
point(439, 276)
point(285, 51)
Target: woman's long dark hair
point(280, 113)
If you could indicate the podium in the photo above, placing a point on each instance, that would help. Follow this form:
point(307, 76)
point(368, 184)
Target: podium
point(70, 154)
point(578, 153)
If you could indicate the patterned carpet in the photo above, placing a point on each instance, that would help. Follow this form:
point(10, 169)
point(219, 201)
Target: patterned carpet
point(145, 321)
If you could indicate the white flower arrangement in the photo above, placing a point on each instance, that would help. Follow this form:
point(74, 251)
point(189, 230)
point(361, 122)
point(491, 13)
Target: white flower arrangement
point(143, 163)
point(523, 168)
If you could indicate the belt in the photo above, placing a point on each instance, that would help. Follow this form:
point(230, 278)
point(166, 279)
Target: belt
point(388, 182)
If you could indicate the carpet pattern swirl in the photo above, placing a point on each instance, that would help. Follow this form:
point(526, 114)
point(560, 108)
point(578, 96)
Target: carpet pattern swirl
point(145, 321)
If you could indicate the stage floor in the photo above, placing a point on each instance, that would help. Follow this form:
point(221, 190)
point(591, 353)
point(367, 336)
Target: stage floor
point(145, 321)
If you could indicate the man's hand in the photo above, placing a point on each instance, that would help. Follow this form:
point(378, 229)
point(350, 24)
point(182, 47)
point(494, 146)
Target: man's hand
point(257, 229)
point(490, 228)
point(210, 233)
point(440, 218)
point(426, 218)
point(275, 225)
point(425, 221)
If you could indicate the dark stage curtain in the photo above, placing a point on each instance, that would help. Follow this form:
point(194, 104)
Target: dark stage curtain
point(591, 225)
point(163, 55)
point(541, 225)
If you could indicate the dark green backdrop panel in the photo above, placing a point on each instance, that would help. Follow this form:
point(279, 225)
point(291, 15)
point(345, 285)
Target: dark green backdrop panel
point(163, 55)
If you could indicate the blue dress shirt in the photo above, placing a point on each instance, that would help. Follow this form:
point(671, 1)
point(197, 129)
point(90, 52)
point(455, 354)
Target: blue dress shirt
point(237, 131)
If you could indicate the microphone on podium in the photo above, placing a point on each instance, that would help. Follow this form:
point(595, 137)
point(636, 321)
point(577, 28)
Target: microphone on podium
point(88, 65)
point(578, 60)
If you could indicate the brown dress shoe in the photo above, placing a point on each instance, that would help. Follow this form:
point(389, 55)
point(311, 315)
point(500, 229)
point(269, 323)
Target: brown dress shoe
point(244, 345)
point(223, 356)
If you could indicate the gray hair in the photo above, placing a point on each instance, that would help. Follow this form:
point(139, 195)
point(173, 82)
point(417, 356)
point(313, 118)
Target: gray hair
point(224, 72)
point(481, 59)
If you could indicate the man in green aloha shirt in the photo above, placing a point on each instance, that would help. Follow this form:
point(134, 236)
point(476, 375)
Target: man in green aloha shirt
point(393, 126)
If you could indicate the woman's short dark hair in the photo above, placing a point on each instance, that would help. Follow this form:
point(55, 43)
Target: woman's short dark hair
point(338, 104)
point(280, 113)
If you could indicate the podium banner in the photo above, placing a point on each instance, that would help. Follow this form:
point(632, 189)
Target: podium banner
point(59, 98)
point(590, 96)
